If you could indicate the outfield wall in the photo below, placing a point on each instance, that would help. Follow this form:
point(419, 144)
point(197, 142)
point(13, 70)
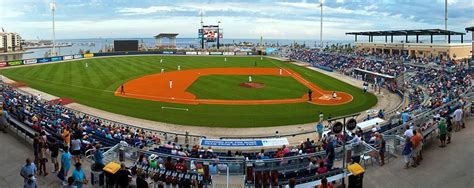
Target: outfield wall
point(91, 55)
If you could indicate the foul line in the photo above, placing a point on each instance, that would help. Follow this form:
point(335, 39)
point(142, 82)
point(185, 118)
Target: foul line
point(173, 108)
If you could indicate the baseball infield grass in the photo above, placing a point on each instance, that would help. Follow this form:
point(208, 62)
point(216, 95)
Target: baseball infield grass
point(95, 84)
point(227, 87)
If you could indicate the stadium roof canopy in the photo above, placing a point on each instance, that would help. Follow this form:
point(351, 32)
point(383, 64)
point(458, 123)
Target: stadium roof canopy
point(470, 28)
point(407, 32)
point(166, 35)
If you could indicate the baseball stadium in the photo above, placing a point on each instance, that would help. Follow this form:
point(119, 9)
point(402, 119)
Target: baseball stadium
point(215, 111)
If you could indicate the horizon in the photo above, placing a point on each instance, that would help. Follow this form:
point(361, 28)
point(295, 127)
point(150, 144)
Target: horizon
point(275, 20)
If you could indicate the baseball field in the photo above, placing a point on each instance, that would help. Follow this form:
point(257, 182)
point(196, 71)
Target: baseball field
point(211, 91)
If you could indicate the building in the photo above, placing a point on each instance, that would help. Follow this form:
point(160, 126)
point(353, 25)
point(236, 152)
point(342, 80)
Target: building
point(415, 48)
point(166, 40)
point(471, 29)
point(10, 42)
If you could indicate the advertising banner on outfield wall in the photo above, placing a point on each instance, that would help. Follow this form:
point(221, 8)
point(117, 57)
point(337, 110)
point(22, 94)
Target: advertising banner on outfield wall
point(30, 61)
point(251, 53)
point(180, 53)
point(228, 143)
point(43, 60)
point(215, 53)
point(191, 53)
point(68, 57)
point(203, 53)
point(3, 64)
point(168, 52)
point(59, 58)
point(14, 63)
point(229, 53)
point(78, 56)
point(88, 55)
point(240, 53)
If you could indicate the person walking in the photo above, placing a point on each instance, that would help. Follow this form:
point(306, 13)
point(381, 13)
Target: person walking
point(79, 176)
point(381, 147)
point(28, 170)
point(122, 90)
point(416, 145)
point(310, 95)
point(76, 149)
point(123, 176)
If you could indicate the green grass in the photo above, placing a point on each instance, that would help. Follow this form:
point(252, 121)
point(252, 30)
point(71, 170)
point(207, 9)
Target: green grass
point(227, 87)
point(94, 86)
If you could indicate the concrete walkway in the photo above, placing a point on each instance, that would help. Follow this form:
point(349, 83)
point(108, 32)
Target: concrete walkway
point(452, 166)
point(13, 153)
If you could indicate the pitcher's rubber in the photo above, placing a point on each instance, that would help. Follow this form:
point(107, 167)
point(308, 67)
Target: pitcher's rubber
point(156, 87)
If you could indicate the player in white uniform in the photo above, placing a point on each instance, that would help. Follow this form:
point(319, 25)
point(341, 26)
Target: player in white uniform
point(250, 78)
point(171, 84)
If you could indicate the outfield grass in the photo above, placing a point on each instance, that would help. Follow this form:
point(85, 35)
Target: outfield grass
point(227, 87)
point(94, 86)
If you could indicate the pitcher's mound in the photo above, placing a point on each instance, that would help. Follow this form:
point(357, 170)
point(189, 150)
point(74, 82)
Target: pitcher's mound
point(252, 85)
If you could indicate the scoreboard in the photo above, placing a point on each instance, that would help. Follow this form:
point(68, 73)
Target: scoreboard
point(209, 33)
point(125, 45)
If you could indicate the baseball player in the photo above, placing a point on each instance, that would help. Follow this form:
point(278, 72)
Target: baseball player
point(171, 84)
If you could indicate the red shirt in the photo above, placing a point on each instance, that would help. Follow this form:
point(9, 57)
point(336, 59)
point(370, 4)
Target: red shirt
point(180, 167)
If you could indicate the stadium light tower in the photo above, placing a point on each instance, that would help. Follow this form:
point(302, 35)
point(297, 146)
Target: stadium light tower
point(53, 9)
point(218, 33)
point(445, 18)
point(321, 2)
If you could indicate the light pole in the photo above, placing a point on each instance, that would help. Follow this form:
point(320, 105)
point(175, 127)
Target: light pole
point(321, 26)
point(53, 9)
point(445, 18)
point(218, 33)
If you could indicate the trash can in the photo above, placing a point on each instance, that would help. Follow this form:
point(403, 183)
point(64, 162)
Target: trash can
point(121, 154)
point(97, 178)
point(356, 179)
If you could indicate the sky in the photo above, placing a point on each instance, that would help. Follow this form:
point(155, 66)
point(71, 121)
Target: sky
point(240, 19)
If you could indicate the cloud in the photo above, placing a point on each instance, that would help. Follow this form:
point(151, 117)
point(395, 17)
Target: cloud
point(148, 10)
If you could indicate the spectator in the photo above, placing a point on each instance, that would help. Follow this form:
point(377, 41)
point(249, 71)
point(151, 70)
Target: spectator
point(66, 161)
point(123, 176)
point(320, 130)
point(169, 165)
point(407, 148)
point(181, 166)
point(449, 128)
point(43, 157)
point(70, 183)
point(417, 145)
point(325, 183)
point(29, 169)
point(442, 132)
point(141, 181)
point(79, 176)
point(31, 182)
point(54, 148)
point(76, 150)
point(322, 169)
point(98, 157)
point(330, 153)
point(381, 148)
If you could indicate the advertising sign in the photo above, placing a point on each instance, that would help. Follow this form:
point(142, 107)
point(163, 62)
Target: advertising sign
point(3, 64)
point(215, 53)
point(30, 61)
point(191, 53)
point(229, 53)
point(78, 56)
point(44, 60)
point(276, 142)
point(168, 52)
point(203, 53)
point(60, 58)
point(14, 63)
point(240, 53)
point(68, 57)
point(88, 55)
point(180, 53)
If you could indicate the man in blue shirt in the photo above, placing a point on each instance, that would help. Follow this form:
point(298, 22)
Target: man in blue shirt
point(66, 161)
point(405, 117)
point(320, 130)
point(28, 170)
point(98, 157)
